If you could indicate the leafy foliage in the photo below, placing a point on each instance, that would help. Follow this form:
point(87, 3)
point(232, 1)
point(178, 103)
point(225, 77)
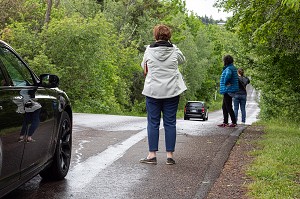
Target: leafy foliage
point(96, 48)
point(269, 32)
point(275, 170)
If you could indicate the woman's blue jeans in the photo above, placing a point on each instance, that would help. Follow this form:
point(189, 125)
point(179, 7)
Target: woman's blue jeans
point(34, 119)
point(168, 107)
point(240, 101)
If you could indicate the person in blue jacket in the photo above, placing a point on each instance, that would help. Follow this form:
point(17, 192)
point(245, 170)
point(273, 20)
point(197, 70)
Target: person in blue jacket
point(229, 85)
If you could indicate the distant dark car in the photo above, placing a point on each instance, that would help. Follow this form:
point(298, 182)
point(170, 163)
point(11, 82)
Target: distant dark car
point(31, 105)
point(196, 109)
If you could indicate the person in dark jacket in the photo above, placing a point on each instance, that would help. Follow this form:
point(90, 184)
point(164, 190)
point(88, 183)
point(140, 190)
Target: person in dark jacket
point(240, 97)
point(228, 87)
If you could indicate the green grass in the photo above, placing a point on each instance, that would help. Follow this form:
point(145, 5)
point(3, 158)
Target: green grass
point(276, 169)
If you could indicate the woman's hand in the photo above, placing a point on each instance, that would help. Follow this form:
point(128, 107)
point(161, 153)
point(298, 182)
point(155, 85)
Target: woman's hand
point(145, 69)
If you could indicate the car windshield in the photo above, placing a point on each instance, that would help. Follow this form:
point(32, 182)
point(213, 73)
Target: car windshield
point(195, 104)
point(16, 69)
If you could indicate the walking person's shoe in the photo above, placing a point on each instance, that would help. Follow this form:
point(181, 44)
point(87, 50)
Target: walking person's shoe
point(149, 161)
point(21, 139)
point(29, 139)
point(170, 161)
point(222, 125)
point(232, 125)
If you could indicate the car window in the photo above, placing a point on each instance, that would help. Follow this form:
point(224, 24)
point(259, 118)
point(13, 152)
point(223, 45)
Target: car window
point(2, 80)
point(17, 71)
point(195, 104)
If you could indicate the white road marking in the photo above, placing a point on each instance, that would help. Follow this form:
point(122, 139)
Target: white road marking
point(77, 151)
point(83, 173)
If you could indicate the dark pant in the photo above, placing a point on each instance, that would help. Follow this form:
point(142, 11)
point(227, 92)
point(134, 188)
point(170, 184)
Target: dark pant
point(227, 109)
point(34, 119)
point(168, 107)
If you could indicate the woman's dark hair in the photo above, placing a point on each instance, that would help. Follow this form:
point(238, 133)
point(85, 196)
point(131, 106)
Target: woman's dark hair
point(162, 32)
point(227, 59)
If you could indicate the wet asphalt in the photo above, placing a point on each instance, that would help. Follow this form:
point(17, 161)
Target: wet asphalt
point(106, 152)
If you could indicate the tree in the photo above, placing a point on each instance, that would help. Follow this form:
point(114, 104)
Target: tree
point(6, 13)
point(85, 64)
point(48, 11)
point(96, 47)
point(269, 30)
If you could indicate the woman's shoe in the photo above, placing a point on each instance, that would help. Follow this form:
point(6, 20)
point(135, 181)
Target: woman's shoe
point(149, 161)
point(170, 161)
point(21, 138)
point(29, 139)
point(232, 125)
point(222, 125)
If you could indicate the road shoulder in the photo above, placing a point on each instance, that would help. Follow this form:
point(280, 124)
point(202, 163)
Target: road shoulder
point(232, 181)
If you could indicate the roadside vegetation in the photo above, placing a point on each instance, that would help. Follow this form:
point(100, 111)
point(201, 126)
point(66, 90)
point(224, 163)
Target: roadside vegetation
point(268, 31)
point(96, 46)
point(275, 170)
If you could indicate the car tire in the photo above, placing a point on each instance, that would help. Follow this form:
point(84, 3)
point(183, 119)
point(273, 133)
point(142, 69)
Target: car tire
point(186, 118)
point(206, 118)
point(62, 156)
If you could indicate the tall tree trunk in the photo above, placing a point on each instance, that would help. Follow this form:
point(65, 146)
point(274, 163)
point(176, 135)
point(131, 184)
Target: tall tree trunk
point(48, 12)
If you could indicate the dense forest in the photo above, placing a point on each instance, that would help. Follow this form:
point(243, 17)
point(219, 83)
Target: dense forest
point(96, 47)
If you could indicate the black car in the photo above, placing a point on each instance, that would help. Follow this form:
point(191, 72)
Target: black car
point(35, 124)
point(196, 109)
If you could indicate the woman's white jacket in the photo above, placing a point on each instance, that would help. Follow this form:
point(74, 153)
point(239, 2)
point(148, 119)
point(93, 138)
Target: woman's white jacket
point(163, 79)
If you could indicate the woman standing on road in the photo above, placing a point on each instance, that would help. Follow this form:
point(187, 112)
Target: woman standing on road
point(162, 87)
point(240, 97)
point(228, 87)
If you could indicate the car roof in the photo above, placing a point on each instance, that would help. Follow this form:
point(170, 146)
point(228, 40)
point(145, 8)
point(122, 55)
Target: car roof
point(195, 102)
point(6, 45)
point(3, 43)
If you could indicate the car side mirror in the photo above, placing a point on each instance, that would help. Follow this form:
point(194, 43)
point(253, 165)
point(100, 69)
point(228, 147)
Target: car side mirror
point(49, 81)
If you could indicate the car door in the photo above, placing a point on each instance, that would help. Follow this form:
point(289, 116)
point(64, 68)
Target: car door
point(25, 108)
point(10, 125)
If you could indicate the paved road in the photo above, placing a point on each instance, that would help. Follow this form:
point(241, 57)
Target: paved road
point(107, 149)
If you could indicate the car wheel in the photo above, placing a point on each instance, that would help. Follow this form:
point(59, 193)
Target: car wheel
point(62, 156)
point(186, 118)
